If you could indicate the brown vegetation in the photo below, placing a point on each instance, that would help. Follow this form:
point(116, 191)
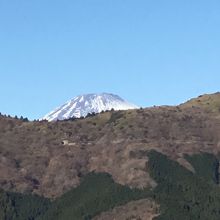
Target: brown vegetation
point(144, 209)
point(34, 158)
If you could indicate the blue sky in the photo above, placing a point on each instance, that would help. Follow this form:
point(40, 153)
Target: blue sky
point(150, 52)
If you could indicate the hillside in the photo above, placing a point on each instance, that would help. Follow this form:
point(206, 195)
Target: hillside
point(51, 158)
point(179, 194)
point(208, 102)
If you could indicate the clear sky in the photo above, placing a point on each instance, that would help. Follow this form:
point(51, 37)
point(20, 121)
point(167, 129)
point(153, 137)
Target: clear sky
point(150, 52)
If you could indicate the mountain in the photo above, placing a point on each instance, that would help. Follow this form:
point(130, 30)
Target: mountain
point(159, 163)
point(82, 105)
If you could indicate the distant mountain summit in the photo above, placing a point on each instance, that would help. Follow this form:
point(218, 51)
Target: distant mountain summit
point(82, 105)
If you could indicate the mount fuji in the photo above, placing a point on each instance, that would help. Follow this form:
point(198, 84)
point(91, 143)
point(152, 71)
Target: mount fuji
point(82, 105)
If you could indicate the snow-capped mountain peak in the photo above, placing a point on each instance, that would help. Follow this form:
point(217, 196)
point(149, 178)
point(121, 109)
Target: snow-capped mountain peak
point(81, 105)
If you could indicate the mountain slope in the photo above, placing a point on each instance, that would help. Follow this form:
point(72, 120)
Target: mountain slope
point(180, 194)
point(209, 102)
point(82, 105)
point(50, 159)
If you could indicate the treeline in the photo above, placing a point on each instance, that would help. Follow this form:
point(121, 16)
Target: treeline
point(89, 115)
point(24, 119)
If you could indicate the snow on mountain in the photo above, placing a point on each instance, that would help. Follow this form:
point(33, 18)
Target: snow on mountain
point(81, 105)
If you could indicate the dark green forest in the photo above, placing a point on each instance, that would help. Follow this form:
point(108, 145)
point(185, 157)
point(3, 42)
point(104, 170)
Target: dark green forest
point(96, 193)
point(21, 207)
point(182, 194)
